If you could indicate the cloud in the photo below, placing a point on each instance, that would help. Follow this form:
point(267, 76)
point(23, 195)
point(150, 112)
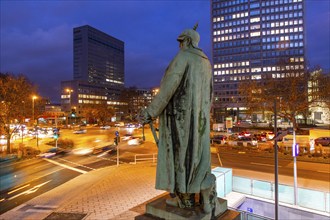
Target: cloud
point(45, 56)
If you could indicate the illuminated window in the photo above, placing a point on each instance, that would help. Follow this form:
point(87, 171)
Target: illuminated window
point(257, 69)
point(255, 34)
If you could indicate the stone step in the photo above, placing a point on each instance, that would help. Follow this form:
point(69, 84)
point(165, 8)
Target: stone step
point(158, 209)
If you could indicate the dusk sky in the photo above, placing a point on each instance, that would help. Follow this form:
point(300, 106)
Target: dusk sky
point(37, 36)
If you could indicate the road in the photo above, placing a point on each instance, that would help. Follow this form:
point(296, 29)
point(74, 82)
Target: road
point(21, 181)
point(308, 170)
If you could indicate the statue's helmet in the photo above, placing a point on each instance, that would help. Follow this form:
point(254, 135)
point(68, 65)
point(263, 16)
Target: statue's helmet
point(192, 34)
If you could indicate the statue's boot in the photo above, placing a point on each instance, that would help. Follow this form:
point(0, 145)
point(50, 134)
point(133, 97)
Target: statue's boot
point(208, 192)
point(207, 207)
point(182, 200)
point(173, 201)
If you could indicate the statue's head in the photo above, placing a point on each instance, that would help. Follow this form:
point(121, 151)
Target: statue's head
point(192, 34)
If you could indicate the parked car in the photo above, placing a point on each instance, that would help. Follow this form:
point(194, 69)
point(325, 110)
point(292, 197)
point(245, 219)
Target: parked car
point(261, 137)
point(270, 135)
point(244, 134)
point(324, 141)
point(218, 139)
point(247, 142)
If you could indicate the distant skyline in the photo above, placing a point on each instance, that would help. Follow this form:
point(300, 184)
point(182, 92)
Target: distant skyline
point(37, 36)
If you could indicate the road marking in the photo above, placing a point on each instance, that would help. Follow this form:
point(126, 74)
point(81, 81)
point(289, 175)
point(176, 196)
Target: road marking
point(18, 189)
point(46, 206)
point(323, 171)
point(76, 164)
point(47, 164)
point(37, 208)
point(32, 190)
point(263, 164)
point(66, 166)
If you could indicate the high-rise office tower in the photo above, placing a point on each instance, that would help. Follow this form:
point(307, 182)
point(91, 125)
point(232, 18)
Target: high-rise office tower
point(98, 70)
point(98, 59)
point(250, 38)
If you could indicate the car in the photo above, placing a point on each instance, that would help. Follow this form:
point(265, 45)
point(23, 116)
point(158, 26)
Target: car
point(80, 131)
point(82, 151)
point(105, 127)
point(134, 141)
point(244, 134)
point(218, 139)
point(324, 141)
point(110, 149)
point(126, 137)
point(247, 141)
point(270, 135)
point(261, 137)
point(53, 152)
point(119, 124)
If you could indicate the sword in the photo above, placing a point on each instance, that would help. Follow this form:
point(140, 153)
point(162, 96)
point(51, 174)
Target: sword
point(153, 130)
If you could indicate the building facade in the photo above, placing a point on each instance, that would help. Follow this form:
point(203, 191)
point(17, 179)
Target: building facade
point(250, 40)
point(137, 99)
point(98, 71)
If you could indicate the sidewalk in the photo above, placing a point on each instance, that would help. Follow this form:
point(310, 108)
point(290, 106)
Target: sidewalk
point(101, 194)
point(117, 193)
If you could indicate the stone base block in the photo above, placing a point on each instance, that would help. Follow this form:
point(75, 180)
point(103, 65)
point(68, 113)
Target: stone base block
point(157, 209)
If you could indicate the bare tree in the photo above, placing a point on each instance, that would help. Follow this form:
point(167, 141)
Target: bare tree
point(289, 87)
point(15, 103)
point(100, 112)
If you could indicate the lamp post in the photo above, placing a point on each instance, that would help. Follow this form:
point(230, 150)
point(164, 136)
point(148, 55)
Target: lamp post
point(33, 98)
point(276, 161)
point(69, 91)
point(37, 131)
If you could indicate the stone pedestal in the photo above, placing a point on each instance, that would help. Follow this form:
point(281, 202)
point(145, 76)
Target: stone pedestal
point(158, 209)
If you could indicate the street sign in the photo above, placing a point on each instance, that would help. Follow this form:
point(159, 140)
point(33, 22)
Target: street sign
point(250, 209)
point(295, 150)
point(229, 122)
point(117, 134)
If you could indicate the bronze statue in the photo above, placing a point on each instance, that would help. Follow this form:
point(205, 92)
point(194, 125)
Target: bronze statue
point(183, 107)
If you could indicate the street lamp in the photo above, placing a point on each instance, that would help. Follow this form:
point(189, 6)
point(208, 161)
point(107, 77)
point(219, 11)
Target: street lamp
point(33, 98)
point(67, 118)
point(69, 91)
point(37, 131)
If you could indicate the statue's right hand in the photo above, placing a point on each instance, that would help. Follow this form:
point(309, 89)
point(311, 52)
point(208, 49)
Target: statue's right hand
point(144, 117)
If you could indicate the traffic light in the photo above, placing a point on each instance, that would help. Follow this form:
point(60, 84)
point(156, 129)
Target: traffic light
point(115, 141)
point(73, 112)
point(56, 133)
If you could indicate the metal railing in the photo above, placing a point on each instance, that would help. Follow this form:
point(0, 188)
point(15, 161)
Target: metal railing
point(145, 157)
point(311, 199)
point(250, 216)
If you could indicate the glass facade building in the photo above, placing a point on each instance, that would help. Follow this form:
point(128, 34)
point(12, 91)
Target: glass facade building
point(98, 58)
point(250, 38)
point(98, 71)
